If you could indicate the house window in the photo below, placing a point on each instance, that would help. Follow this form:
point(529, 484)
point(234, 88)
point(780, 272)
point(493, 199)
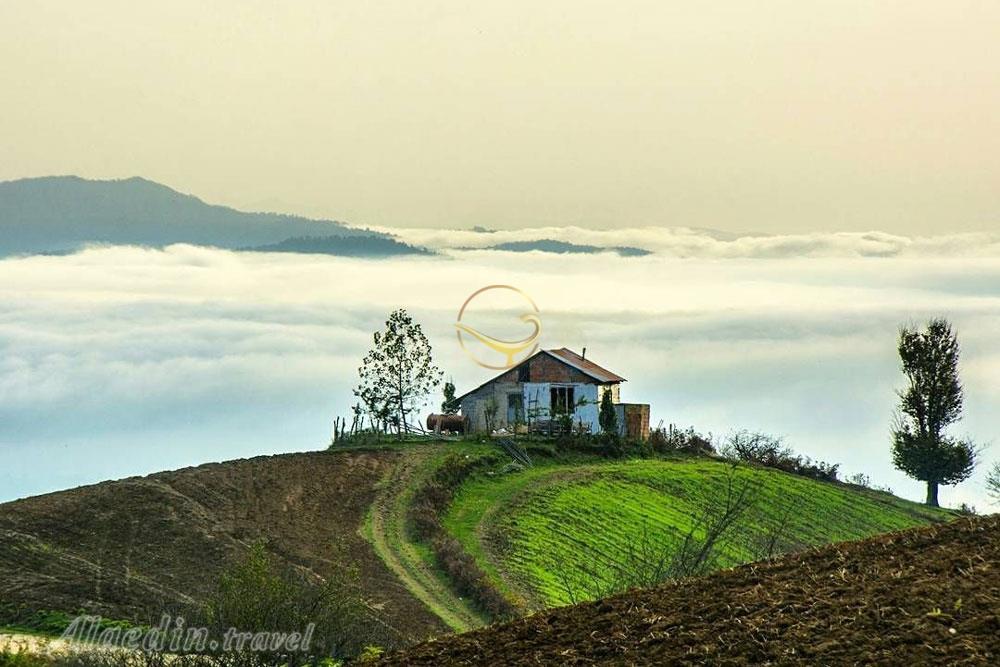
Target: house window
point(515, 408)
point(561, 400)
point(522, 373)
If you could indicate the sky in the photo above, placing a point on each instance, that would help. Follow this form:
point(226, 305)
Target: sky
point(771, 117)
point(117, 361)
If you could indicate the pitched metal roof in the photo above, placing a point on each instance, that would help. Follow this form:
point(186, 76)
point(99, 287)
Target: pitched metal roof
point(568, 357)
point(585, 365)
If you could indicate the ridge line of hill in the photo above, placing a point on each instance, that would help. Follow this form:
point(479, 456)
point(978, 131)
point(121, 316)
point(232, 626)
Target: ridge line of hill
point(61, 214)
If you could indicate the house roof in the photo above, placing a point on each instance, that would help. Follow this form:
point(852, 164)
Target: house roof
point(568, 357)
point(585, 365)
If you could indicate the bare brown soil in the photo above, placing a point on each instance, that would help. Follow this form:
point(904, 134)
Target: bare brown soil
point(918, 597)
point(135, 548)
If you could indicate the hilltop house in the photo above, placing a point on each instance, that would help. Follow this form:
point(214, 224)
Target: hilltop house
point(546, 385)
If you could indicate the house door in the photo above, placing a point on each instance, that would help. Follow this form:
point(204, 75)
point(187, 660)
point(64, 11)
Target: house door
point(515, 408)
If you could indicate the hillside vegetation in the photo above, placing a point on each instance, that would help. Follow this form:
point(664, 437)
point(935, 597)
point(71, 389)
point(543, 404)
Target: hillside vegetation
point(925, 596)
point(548, 531)
point(136, 548)
point(522, 539)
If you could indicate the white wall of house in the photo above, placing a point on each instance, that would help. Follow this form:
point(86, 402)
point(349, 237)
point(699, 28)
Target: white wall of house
point(537, 395)
point(474, 406)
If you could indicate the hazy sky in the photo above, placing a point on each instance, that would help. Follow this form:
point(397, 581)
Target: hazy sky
point(767, 116)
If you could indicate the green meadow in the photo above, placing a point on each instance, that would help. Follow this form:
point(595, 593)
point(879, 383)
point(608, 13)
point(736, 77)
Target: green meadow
point(527, 529)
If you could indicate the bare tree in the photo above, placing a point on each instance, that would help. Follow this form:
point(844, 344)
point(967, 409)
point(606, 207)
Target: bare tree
point(755, 447)
point(650, 558)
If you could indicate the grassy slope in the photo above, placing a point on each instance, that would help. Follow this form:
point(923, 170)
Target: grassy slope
point(924, 596)
point(412, 562)
point(524, 527)
point(60, 550)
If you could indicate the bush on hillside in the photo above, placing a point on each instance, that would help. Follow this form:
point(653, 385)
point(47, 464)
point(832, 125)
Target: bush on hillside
point(993, 482)
point(859, 479)
point(47, 622)
point(429, 503)
point(469, 579)
point(614, 446)
point(765, 450)
point(967, 510)
point(686, 441)
point(258, 594)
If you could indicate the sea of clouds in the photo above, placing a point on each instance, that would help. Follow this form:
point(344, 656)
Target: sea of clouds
point(684, 242)
point(117, 361)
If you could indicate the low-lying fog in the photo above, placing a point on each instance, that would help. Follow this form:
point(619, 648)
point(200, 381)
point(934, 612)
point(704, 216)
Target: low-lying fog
point(120, 361)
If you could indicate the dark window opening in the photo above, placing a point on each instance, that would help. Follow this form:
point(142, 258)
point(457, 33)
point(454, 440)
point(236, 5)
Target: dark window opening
point(515, 408)
point(523, 374)
point(561, 400)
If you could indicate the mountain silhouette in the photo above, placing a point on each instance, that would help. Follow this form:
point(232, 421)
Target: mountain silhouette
point(61, 213)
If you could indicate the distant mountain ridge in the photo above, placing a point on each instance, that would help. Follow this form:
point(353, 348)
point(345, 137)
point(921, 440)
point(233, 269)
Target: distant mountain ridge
point(62, 213)
point(565, 247)
point(353, 246)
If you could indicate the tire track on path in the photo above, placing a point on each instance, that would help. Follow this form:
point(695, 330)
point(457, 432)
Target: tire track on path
point(391, 542)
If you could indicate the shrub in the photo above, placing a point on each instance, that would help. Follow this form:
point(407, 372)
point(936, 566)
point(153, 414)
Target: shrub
point(755, 447)
point(688, 441)
point(859, 479)
point(966, 510)
point(993, 482)
point(429, 503)
point(11, 658)
point(371, 654)
point(48, 622)
point(607, 418)
point(258, 594)
point(769, 451)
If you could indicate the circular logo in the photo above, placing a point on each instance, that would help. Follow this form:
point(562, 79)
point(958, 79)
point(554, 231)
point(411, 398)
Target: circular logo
point(478, 345)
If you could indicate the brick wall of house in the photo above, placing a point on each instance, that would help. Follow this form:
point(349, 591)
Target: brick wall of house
point(544, 368)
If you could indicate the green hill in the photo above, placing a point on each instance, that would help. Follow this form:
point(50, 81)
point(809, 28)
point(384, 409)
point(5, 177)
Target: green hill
point(923, 596)
point(532, 538)
point(545, 533)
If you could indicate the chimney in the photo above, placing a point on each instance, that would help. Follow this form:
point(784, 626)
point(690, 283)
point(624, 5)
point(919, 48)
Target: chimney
point(584, 355)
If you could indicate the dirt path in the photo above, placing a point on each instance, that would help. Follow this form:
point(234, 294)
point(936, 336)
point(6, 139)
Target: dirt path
point(22, 643)
point(391, 542)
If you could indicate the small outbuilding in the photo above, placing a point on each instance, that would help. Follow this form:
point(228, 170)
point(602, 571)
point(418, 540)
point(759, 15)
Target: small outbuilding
point(546, 386)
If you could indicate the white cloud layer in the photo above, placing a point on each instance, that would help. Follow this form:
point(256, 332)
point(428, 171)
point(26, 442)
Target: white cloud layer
point(118, 361)
point(684, 242)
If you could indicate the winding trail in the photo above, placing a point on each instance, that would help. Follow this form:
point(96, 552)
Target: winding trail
point(15, 642)
point(388, 535)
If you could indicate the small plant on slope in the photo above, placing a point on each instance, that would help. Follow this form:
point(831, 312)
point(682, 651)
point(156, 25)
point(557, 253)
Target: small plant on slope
point(607, 417)
point(993, 482)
